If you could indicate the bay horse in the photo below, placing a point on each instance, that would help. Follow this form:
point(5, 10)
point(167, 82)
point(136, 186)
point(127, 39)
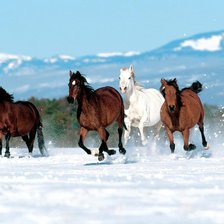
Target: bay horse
point(142, 106)
point(181, 111)
point(19, 118)
point(96, 110)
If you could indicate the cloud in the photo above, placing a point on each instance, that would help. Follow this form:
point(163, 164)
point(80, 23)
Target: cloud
point(22, 89)
point(212, 43)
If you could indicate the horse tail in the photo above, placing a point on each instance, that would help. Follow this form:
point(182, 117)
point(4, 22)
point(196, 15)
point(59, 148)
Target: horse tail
point(40, 136)
point(40, 139)
point(196, 87)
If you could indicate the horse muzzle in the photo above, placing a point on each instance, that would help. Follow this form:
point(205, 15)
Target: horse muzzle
point(123, 89)
point(172, 108)
point(70, 99)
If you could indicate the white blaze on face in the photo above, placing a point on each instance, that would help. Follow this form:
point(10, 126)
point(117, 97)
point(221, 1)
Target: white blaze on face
point(73, 82)
point(125, 79)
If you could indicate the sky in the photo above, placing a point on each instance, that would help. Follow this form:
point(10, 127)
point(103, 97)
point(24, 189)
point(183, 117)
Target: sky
point(45, 28)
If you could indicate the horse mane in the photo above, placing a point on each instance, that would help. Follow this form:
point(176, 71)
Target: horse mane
point(173, 82)
point(83, 83)
point(138, 86)
point(5, 96)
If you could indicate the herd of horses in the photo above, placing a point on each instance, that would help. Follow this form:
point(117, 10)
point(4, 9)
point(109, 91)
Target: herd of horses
point(169, 107)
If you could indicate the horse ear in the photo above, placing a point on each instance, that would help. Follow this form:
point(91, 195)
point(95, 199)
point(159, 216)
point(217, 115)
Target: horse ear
point(70, 73)
point(163, 82)
point(131, 69)
point(175, 82)
point(78, 73)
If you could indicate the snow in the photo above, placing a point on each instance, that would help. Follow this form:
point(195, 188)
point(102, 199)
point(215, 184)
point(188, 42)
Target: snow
point(114, 54)
point(66, 57)
point(5, 57)
point(148, 185)
point(62, 57)
point(211, 44)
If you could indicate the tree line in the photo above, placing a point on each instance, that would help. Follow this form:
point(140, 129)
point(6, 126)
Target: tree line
point(61, 128)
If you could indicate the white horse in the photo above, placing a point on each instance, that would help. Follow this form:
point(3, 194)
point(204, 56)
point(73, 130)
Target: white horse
point(142, 106)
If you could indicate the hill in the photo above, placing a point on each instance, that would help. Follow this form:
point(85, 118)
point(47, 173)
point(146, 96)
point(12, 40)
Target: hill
point(199, 57)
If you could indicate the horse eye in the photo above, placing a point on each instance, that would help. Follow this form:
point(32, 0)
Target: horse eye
point(129, 78)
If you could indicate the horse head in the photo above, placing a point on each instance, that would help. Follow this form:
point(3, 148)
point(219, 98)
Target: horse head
point(76, 82)
point(171, 93)
point(127, 79)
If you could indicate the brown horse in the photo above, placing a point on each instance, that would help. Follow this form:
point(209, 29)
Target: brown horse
point(96, 110)
point(181, 111)
point(19, 118)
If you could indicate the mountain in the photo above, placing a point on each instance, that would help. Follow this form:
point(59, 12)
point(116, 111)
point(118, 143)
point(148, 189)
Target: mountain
point(199, 57)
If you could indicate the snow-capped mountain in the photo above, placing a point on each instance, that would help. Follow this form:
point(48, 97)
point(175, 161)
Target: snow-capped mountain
point(199, 57)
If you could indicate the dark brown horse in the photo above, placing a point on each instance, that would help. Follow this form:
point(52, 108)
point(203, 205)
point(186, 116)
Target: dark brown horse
point(96, 110)
point(181, 111)
point(19, 118)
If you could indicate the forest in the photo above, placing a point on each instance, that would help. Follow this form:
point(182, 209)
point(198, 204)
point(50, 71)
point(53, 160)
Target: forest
point(61, 128)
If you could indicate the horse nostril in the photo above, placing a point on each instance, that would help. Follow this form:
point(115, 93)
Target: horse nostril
point(125, 88)
point(172, 108)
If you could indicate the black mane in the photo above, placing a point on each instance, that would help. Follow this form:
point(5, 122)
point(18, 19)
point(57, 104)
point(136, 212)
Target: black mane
point(5, 96)
point(83, 83)
point(173, 82)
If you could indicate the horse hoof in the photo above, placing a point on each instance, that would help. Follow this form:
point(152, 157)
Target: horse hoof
point(101, 157)
point(111, 152)
point(190, 147)
point(122, 151)
point(7, 155)
point(95, 152)
point(207, 147)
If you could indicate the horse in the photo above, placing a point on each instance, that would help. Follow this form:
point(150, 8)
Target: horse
point(19, 118)
point(96, 110)
point(181, 111)
point(142, 106)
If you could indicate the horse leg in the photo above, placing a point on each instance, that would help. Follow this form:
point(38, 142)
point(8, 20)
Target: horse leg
point(187, 146)
point(26, 140)
point(103, 147)
point(141, 129)
point(83, 133)
point(30, 140)
point(0, 147)
point(32, 136)
point(120, 145)
point(7, 152)
point(107, 134)
point(127, 132)
point(1, 136)
point(171, 140)
point(158, 127)
point(120, 123)
point(204, 142)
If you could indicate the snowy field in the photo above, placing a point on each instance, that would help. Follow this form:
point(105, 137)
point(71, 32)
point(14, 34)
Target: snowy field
point(145, 186)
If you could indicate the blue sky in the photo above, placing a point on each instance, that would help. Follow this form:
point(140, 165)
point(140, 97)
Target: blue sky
point(44, 28)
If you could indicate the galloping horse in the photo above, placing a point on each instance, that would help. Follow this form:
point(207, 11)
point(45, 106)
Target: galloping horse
point(19, 118)
point(142, 106)
point(181, 111)
point(96, 110)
